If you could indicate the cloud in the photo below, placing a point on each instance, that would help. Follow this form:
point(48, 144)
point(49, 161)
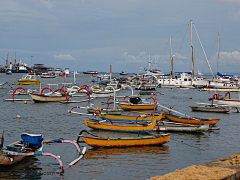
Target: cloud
point(64, 57)
point(179, 56)
point(47, 3)
point(142, 57)
point(230, 2)
point(230, 56)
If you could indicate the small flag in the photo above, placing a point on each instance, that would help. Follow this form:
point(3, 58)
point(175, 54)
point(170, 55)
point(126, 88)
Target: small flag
point(63, 74)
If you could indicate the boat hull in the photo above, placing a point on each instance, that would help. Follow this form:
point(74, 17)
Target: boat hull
point(127, 141)
point(106, 111)
point(129, 107)
point(211, 109)
point(28, 82)
point(185, 120)
point(129, 118)
point(44, 98)
point(121, 128)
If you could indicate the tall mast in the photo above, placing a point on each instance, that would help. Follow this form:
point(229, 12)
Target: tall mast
point(192, 53)
point(171, 58)
point(149, 62)
point(218, 50)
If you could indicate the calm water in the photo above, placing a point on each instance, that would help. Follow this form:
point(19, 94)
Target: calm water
point(53, 121)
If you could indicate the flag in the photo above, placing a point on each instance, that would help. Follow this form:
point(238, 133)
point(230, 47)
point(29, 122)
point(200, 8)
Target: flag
point(63, 74)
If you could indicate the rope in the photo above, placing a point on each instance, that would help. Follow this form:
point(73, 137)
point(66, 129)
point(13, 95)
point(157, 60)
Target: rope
point(203, 50)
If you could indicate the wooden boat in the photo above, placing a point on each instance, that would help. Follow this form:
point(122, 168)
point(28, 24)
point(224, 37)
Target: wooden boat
point(142, 117)
point(48, 97)
point(31, 145)
point(111, 142)
point(223, 100)
point(28, 80)
point(190, 120)
point(92, 110)
point(211, 108)
point(128, 106)
point(135, 128)
point(145, 92)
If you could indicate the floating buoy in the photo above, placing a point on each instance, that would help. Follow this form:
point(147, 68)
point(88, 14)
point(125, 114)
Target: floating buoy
point(25, 102)
point(18, 116)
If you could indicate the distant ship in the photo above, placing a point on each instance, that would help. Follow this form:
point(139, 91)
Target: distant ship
point(38, 69)
point(90, 72)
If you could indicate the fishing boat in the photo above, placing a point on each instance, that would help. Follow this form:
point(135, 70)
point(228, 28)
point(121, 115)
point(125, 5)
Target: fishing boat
point(136, 104)
point(123, 73)
point(31, 145)
point(211, 108)
point(111, 142)
point(127, 118)
point(2, 84)
point(46, 75)
point(165, 126)
point(135, 128)
point(146, 87)
point(50, 97)
point(92, 110)
point(223, 100)
point(28, 79)
point(90, 72)
point(189, 120)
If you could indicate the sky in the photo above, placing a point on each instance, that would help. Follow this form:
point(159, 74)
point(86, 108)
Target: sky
point(92, 35)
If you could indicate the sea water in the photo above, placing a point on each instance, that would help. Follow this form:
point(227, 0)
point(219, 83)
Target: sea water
point(53, 121)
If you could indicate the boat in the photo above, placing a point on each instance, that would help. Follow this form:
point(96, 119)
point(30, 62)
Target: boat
point(179, 127)
point(211, 108)
point(189, 120)
point(145, 87)
point(38, 69)
point(111, 142)
point(123, 73)
point(134, 128)
point(223, 100)
point(50, 97)
point(46, 75)
point(58, 71)
point(28, 79)
point(66, 71)
point(108, 91)
point(126, 118)
point(8, 72)
point(136, 104)
point(90, 72)
point(31, 145)
point(92, 110)
point(2, 84)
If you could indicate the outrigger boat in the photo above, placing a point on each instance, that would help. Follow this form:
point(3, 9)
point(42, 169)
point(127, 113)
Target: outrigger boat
point(211, 108)
point(135, 128)
point(31, 145)
point(92, 110)
point(53, 96)
point(139, 118)
point(136, 104)
point(190, 120)
point(222, 100)
point(111, 142)
point(2, 84)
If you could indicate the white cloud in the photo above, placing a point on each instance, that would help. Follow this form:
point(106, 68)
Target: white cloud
point(141, 58)
point(64, 57)
point(179, 56)
point(230, 2)
point(230, 56)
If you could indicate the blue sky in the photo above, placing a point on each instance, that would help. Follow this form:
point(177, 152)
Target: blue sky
point(90, 35)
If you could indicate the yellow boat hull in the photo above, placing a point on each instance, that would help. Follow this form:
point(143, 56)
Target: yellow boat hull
point(127, 141)
point(122, 128)
point(129, 118)
point(191, 120)
point(28, 82)
point(128, 106)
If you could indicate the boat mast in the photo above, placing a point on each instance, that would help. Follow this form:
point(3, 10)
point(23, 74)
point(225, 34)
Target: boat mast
point(149, 63)
point(218, 51)
point(192, 54)
point(171, 58)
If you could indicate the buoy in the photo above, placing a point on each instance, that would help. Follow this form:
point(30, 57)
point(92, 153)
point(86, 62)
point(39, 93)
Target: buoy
point(18, 116)
point(25, 102)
